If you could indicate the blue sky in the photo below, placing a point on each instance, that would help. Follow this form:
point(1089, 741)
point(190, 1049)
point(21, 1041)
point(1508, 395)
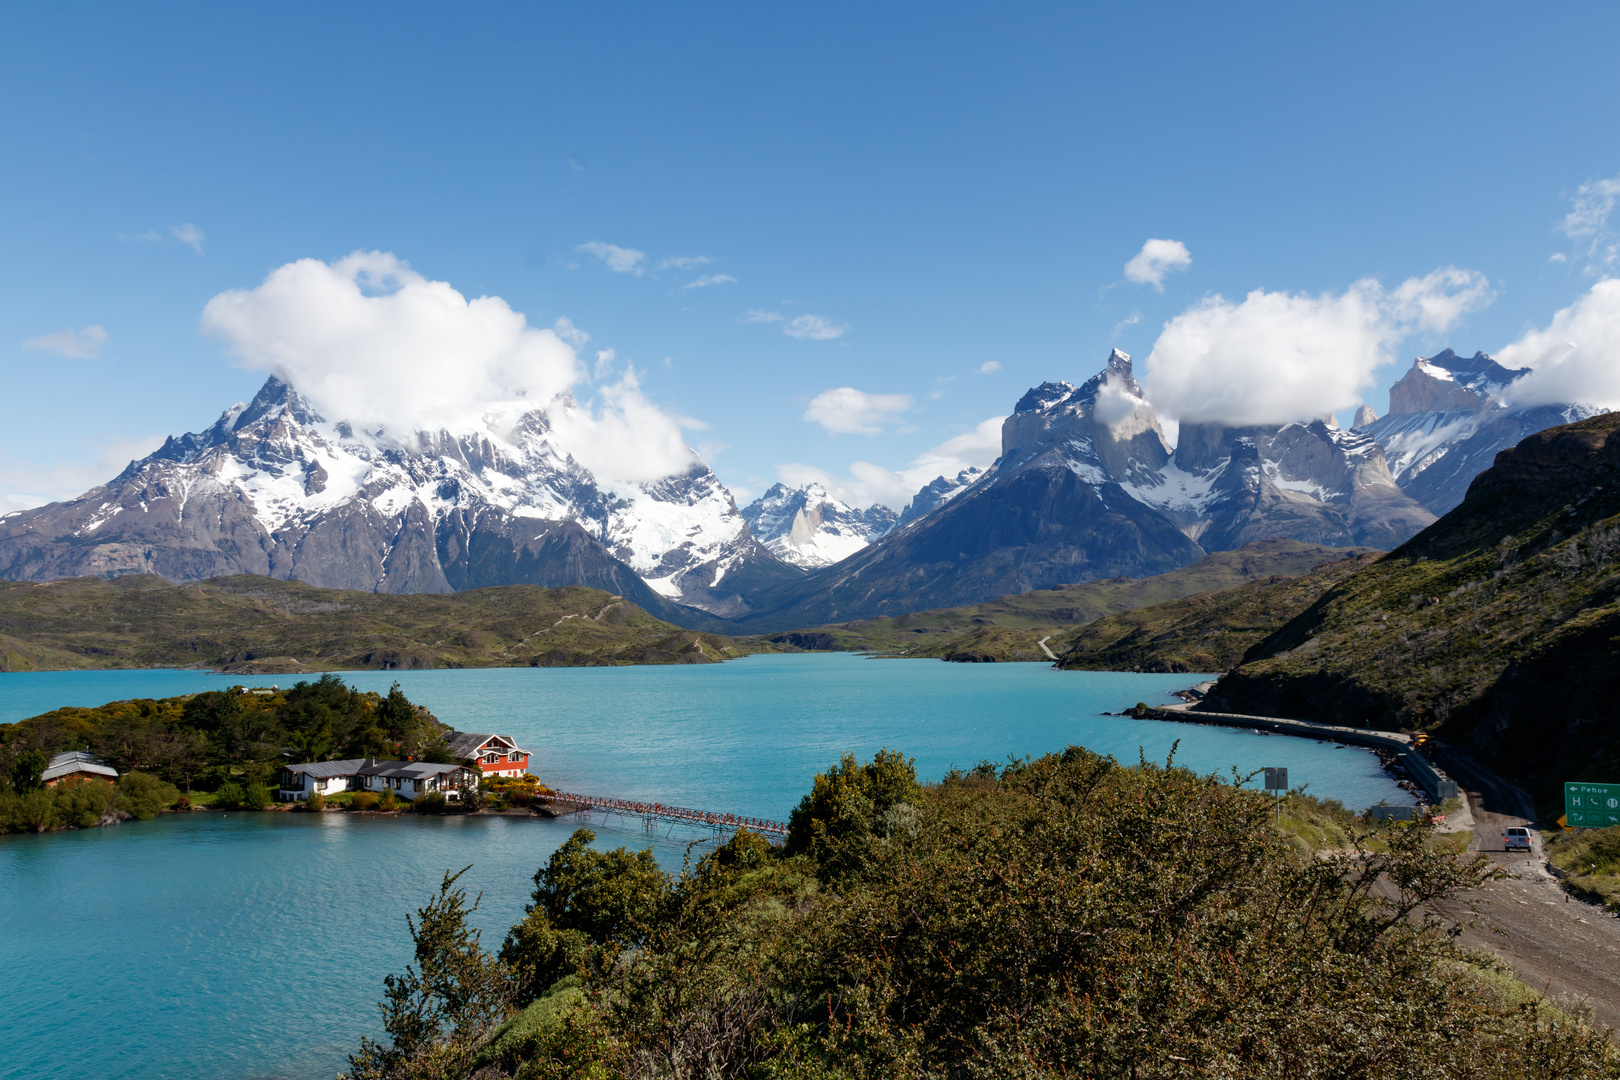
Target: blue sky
point(945, 188)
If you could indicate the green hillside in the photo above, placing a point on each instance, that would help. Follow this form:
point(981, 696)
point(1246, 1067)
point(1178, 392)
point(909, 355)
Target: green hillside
point(1498, 626)
point(1207, 632)
point(1010, 628)
point(254, 624)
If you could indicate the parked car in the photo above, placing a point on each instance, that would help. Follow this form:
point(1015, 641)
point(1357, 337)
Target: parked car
point(1516, 839)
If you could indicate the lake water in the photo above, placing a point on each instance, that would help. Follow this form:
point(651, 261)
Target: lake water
point(230, 946)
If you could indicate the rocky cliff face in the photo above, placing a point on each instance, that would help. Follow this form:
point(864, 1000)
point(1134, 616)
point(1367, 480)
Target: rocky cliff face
point(1498, 623)
point(274, 489)
point(1230, 486)
point(1447, 423)
point(807, 527)
point(936, 493)
point(1049, 512)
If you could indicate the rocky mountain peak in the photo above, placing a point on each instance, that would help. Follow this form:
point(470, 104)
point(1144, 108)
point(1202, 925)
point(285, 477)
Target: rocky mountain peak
point(808, 527)
point(1044, 396)
point(937, 493)
point(1447, 382)
point(1364, 416)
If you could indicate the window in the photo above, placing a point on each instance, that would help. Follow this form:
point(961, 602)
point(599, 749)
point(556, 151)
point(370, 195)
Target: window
point(514, 756)
point(490, 759)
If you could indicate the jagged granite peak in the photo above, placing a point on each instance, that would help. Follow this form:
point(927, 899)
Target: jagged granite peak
point(1447, 422)
point(808, 527)
point(1103, 429)
point(1048, 512)
point(273, 488)
point(1364, 416)
point(937, 492)
point(1447, 382)
point(1309, 482)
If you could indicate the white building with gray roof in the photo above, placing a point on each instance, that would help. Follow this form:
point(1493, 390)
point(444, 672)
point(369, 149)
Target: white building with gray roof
point(406, 779)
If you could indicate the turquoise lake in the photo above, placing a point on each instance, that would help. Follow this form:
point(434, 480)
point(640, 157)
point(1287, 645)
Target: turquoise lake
point(234, 946)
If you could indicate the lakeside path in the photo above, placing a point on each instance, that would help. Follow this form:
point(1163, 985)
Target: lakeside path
point(1566, 948)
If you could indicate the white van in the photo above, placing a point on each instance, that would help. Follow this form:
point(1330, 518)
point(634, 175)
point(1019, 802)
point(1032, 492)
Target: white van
point(1515, 839)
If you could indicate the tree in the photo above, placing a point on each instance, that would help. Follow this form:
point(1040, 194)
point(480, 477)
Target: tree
point(850, 805)
point(610, 896)
point(440, 1012)
point(26, 769)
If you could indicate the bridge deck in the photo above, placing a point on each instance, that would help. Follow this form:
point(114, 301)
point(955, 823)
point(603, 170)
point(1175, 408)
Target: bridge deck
point(701, 818)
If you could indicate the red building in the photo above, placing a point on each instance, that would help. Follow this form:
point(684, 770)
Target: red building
point(493, 755)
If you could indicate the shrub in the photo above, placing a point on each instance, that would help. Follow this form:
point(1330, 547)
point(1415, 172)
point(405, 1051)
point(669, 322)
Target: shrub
point(388, 803)
point(183, 803)
point(257, 798)
point(81, 804)
point(431, 803)
point(364, 800)
point(315, 803)
point(141, 796)
point(230, 795)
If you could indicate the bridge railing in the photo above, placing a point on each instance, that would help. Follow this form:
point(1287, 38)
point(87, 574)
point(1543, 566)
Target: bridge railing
point(703, 818)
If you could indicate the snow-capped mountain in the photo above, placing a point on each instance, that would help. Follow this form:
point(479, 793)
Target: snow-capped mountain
point(1222, 486)
point(1087, 488)
point(937, 492)
point(272, 488)
point(808, 527)
point(1447, 422)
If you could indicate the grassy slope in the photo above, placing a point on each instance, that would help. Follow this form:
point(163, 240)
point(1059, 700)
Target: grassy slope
point(1499, 624)
point(1207, 632)
point(248, 624)
point(1009, 628)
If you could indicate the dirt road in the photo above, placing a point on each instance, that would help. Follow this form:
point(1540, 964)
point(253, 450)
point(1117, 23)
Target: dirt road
point(1568, 949)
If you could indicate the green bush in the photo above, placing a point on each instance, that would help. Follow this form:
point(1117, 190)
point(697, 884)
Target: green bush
point(230, 795)
point(1064, 917)
point(141, 796)
point(389, 802)
point(433, 802)
point(315, 803)
point(257, 797)
point(80, 804)
point(364, 800)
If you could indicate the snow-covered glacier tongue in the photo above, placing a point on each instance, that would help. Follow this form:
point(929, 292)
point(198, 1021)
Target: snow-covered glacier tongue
point(272, 488)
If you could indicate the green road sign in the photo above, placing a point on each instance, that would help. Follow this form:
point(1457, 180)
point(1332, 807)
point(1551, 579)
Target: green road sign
point(1591, 806)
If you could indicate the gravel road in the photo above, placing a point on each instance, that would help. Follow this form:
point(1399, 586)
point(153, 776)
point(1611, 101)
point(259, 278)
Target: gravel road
point(1566, 948)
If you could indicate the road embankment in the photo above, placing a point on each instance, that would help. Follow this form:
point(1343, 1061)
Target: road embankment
point(1435, 783)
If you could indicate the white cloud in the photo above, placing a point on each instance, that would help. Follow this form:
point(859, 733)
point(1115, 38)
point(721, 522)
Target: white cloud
point(868, 483)
point(1131, 320)
point(709, 279)
point(1576, 358)
point(847, 411)
point(370, 341)
point(813, 327)
point(629, 439)
point(1156, 259)
point(570, 333)
point(989, 366)
point(619, 260)
point(189, 235)
point(1588, 223)
point(74, 344)
point(25, 484)
point(756, 315)
point(1277, 357)
point(682, 262)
